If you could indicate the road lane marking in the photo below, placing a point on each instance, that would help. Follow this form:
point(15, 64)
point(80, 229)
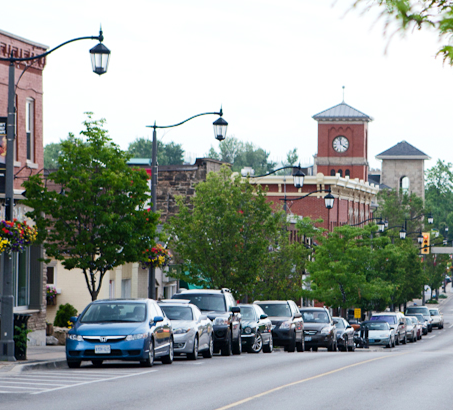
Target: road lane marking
point(95, 381)
point(450, 326)
point(257, 396)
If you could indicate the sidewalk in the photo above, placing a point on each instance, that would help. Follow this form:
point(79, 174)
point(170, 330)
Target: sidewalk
point(449, 293)
point(38, 357)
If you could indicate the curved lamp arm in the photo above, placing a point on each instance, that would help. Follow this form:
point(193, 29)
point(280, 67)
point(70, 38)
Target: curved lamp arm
point(220, 113)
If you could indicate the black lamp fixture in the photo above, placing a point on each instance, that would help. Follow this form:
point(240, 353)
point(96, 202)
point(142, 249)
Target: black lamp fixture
point(381, 225)
point(100, 55)
point(430, 218)
point(220, 127)
point(420, 238)
point(298, 177)
point(402, 233)
point(329, 200)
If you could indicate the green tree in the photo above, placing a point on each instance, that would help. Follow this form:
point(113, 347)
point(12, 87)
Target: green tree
point(51, 153)
point(408, 15)
point(100, 221)
point(222, 235)
point(167, 154)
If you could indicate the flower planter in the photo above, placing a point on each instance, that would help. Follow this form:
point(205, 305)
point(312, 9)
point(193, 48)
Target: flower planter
point(49, 329)
point(51, 301)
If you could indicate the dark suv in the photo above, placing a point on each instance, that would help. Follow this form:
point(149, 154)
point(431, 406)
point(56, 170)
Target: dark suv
point(319, 329)
point(221, 308)
point(287, 323)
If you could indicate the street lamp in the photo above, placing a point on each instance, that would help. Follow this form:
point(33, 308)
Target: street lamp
point(220, 130)
point(100, 57)
point(403, 233)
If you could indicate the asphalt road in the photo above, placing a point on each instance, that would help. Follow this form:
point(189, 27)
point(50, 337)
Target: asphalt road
point(416, 376)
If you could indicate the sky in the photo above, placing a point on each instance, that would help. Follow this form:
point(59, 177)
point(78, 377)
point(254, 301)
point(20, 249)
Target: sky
point(271, 65)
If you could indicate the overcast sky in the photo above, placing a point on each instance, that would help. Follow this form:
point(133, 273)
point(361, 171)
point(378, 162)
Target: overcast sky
point(272, 64)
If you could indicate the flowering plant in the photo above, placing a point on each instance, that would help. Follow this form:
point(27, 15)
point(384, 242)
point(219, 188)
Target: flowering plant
point(15, 235)
point(156, 257)
point(51, 292)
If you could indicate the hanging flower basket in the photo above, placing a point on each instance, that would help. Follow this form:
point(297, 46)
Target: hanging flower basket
point(156, 257)
point(51, 295)
point(15, 235)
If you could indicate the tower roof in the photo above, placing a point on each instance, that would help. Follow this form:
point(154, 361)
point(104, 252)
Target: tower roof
point(342, 112)
point(402, 150)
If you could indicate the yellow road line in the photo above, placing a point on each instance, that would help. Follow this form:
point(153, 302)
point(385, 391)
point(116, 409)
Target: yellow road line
point(257, 396)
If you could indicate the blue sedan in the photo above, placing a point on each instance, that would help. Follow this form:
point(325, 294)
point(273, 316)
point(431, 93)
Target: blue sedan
point(120, 329)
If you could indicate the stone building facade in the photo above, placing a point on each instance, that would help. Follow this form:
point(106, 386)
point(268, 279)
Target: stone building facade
point(403, 168)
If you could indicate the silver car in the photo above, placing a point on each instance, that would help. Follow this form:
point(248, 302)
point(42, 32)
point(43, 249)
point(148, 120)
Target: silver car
point(436, 316)
point(192, 330)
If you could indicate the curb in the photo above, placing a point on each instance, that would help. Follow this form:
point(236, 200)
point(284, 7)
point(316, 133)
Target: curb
point(51, 364)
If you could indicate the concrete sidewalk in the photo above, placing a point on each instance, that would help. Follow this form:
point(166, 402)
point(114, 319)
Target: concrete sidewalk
point(38, 357)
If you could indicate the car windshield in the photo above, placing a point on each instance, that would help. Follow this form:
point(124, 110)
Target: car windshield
point(339, 324)
point(420, 318)
point(204, 302)
point(414, 319)
point(389, 319)
point(276, 309)
point(315, 316)
point(114, 312)
point(422, 310)
point(433, 312)
point(247, 313)
point(377, 326)
point(178, 312)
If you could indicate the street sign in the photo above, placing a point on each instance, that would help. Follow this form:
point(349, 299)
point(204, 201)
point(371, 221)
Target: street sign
point(357, 313)
point(444, 249)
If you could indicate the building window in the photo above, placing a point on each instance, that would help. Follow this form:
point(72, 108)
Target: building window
point(405, 185)
point(126, 288)
point(29, 129)
point(347, 173)
point(340, 171)
point(112, 289)
point(50, 271)
point(21, 265)
point(332, 172)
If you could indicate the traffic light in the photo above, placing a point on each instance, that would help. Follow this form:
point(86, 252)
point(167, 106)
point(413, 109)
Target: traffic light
point(425, 243)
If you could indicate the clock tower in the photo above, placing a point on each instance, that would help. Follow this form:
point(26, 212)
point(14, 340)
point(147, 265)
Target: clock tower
point(343, 142)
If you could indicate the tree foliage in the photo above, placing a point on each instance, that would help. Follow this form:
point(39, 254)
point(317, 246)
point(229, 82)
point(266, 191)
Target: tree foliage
point(51, 154)
point(98, 221)
point(408, 15)
point(167, 154)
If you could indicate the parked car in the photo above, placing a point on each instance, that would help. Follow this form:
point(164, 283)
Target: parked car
point(319, 329)
point(256, 330)
point(396, 321)
point(424, 311)
point(120, 329)
point(379, 332)
point(345, 334)
point(411, 330)
point(418, 326)
point(221, 308)
point(192, 330)
point(423, 321)
point(437, 317)
point(287, 323)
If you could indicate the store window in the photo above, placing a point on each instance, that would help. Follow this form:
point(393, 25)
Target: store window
point(29, 128)
point(21, 274)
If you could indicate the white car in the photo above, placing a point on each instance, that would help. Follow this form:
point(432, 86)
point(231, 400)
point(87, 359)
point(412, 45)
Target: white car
point(436, 316)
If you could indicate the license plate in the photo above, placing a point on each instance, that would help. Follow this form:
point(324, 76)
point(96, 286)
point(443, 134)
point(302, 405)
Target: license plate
point(307, 338)
point(102, 349)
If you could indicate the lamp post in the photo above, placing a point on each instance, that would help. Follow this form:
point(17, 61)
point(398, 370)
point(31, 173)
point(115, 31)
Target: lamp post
point(99, 59)
point(220, 129)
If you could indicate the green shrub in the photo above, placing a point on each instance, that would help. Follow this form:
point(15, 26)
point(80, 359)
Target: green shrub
point(432, 302)
point(442, 296)
point(63, 314)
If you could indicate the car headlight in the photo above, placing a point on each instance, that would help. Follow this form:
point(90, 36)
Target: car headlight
point(79, 338)
point(181, 331)
point(137, 336)
point(325, 330)
point(218, 321)
point(247, 330)
point(287, 325)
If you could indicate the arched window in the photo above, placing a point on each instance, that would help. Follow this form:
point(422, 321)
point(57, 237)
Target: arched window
point(347, 173)
point(405, 184)
point(340, 171)
point(332, 172)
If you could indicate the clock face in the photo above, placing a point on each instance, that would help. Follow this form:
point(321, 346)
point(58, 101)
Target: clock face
point(340, 144)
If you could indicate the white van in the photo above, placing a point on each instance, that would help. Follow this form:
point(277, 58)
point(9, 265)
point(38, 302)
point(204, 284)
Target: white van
point(397, 322)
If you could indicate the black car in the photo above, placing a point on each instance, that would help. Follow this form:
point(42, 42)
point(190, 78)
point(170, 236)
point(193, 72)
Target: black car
point(319, 329)
point(256, 330)
point(345, 334)
point(221, 308)
point(287, 323)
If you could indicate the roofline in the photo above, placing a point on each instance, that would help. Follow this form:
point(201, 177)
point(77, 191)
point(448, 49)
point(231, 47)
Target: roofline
point(32, 43)
point(350, 118)
point(403, 157)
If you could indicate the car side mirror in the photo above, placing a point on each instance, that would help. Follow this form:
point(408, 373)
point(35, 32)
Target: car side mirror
point(348, 327)
point(297, 314)
point(203, 317)
point(157, 319)
point(264, 316)
point(235, 309)
point(73, 319)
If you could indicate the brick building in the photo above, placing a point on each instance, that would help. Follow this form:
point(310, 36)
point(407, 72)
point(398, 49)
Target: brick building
point(28, 277)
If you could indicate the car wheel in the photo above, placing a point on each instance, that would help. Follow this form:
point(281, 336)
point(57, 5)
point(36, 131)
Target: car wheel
point(207, 354)
point(237, 347)
point(168, 359)
point(292, 345)
point(430, 329)
point(405, 340)
point(314, 349)
point(226, 349)
point(301, 345)
point(97, 363)
point(149, 362)
point(397, 341)
point(257, 345)
point(194, 354)
point(332, 347)
point(74, 364)
point(269, 348)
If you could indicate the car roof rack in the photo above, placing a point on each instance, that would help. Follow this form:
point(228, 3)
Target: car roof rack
point(223, 290)
point(180, 301)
